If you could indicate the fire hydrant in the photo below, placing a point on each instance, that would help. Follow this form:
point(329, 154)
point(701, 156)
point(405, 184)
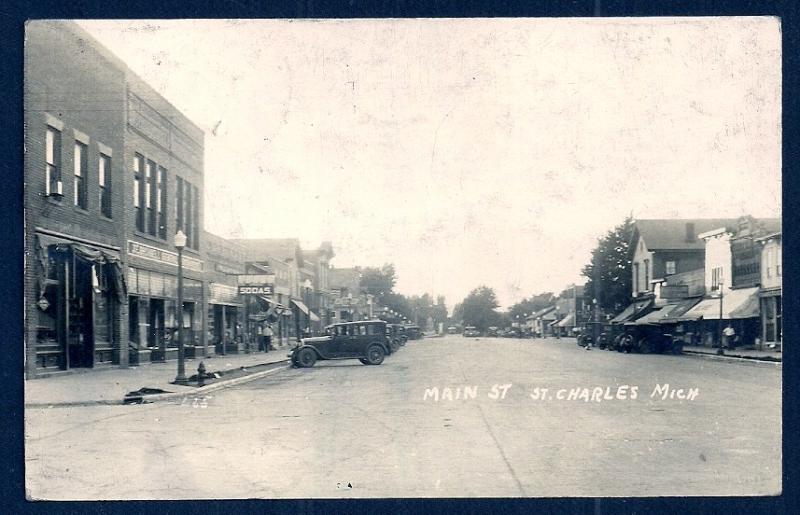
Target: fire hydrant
point(201, 374)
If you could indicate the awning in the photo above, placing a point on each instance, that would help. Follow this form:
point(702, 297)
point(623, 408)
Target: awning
point(105, 260)
point(567, 321)
point(541, 313)
point(302, 307)
point(736, 304)
point(668, 314)
point(632, 311)
point(314, 317)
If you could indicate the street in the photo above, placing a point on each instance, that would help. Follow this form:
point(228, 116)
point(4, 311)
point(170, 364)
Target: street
point(607, 425)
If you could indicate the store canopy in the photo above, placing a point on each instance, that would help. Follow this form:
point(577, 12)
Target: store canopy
point(671, 313)
point(543, 313)
point(106, 261)
point(567, 321)
point(302, 307)
point(736, 304)
point(314, 317)
point(632, 311)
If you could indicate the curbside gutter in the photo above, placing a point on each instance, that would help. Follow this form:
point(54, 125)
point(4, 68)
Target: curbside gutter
point(734, 359)
point(160, 397)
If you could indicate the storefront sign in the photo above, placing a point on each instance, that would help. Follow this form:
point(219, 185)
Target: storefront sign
point(225, 269)
point(143, 251)
point(255, 289)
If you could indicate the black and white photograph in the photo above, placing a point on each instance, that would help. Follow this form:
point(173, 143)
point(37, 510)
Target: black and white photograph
point(402, 258)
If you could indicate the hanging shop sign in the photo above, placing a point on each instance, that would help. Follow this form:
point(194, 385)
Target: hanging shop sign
point(255, 289)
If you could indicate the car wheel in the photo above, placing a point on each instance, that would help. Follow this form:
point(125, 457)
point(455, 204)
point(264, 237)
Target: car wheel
point(375, 355)
point(677, 348)
point(363, 361)
point(306, 358)
point(645, 347)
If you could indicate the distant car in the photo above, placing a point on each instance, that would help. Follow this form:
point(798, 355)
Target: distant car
point(452, 330)
point(492, 331)
point(414, 332)
point(470, 331)
point(511, 332)
point(368, 341)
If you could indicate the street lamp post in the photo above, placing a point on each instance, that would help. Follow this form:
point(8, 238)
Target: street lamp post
point(719, 322)
point(180, 243)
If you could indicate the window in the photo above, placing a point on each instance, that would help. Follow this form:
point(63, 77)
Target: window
point(179, 204)
point(636, 278)
point(80, 175)
point(770, 261)
point(52, 184)
point(150, 196)
point(162, 203)
point(670, 267)
point(196, 218)
point(104, 182)
point(187, 215)
point(647, 274)
point(716, 278)
point(138, 191)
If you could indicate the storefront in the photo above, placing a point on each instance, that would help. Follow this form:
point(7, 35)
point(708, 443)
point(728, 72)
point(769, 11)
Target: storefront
point(738, 308)
point(81, 290)
point(153, 317)
point(771, 317)
point(225, 317)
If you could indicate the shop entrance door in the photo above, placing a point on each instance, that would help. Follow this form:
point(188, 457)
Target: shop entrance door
point(80, 327)
point(155, 338)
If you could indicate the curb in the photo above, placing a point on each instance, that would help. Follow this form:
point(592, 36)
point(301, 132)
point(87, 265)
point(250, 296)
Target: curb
point(149, 399)
point(734, 359)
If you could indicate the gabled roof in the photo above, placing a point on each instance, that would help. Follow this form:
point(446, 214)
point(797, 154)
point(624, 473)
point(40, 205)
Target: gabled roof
point(677, 234)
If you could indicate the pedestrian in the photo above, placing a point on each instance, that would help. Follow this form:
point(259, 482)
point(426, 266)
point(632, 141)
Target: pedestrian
point(727, 336)
point(268, 337)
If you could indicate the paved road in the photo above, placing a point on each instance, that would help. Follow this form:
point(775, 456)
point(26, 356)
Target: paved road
point(342, 429)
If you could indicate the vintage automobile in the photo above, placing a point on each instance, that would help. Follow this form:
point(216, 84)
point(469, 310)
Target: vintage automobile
point(492, 331)
point(648, 338)
point(452, 330)
point(414, 332)
point(471, 331)
point(586, 335)
point(368, 341)
point(398, 334)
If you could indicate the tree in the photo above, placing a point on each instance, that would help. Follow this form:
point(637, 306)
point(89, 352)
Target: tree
point(608, 273)
point(479, 308)
point(527, 307)
point(378, 281)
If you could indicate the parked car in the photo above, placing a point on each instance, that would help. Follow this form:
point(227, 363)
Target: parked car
point(586, 335)
point(414, 332)
point(471, 331)
point(398, 334)
point(511, 332)
point(368, 341)
point(649, 338)
point(492, 331)
point(452, 330)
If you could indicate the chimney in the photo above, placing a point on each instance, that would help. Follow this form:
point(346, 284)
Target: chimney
point(690, 235)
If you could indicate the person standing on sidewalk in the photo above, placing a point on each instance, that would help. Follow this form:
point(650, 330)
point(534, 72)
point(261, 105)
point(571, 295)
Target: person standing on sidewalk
point(727, 336)
point(268, 337)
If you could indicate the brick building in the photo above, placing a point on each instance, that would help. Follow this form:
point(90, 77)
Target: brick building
point(112, 171)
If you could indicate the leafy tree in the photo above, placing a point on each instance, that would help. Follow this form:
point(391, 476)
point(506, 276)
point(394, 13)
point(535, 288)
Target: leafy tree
point(479, 308)
point(608, 273)
point(527, 307)
point(378, 281)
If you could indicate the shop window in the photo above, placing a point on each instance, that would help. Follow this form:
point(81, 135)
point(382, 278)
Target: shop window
point(80, 175)
point(104, 183)
point(52, 185)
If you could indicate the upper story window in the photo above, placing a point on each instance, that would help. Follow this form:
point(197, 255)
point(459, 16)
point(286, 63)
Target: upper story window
point(670, 267)
point(149, 196)
point(635, 277)
point(104, 183)
point(161, 202)
point(138, 191)
point(80, 175)
point(52, 185)
point(647, 274)
point(716, 278)
point(187, 212)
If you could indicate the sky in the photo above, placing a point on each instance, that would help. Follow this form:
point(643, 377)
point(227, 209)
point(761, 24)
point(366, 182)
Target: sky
point(469, 152)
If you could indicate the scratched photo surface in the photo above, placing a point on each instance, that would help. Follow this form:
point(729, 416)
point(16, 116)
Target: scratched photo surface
point(403, 258)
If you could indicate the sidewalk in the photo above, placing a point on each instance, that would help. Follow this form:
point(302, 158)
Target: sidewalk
point(756, 355)
point(109, 385)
